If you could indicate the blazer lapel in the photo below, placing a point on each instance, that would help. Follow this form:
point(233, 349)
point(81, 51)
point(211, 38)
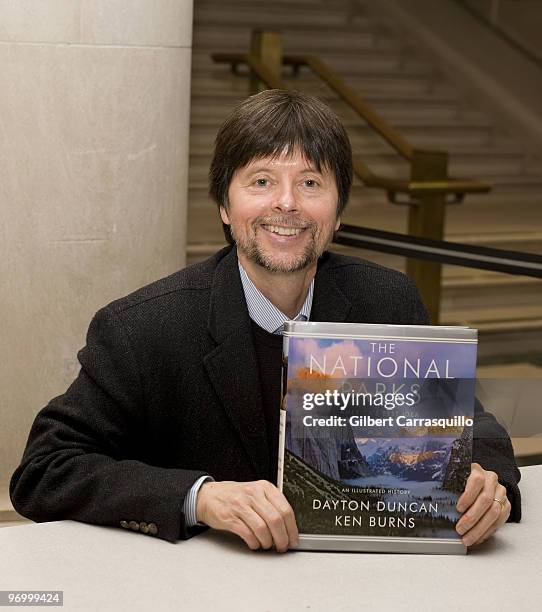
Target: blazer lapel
point(232, 365)
point(328, 303)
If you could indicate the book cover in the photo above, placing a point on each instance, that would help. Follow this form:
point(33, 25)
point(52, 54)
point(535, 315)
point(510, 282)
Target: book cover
point(376, 434)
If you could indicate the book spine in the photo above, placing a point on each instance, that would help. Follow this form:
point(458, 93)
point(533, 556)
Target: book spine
point(282, 438)
point(282, 417)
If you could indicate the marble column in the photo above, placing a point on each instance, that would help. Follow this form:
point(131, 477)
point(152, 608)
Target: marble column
point(94, 124)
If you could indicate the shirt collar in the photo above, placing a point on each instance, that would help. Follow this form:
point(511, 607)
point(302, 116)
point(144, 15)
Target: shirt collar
point(264, 313)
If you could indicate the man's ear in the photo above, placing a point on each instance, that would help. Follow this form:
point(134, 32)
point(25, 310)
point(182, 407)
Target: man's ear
point(224, 215)
point(338, 224)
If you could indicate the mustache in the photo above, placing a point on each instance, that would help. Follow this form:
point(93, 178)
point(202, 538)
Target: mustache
point(283, 221)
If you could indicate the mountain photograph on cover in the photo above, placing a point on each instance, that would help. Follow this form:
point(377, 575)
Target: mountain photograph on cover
point(343, 475)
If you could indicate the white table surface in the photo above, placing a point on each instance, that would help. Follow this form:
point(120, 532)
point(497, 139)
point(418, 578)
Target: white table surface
point(103, 568)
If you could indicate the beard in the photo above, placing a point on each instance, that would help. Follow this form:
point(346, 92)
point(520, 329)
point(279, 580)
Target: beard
point(251, 247)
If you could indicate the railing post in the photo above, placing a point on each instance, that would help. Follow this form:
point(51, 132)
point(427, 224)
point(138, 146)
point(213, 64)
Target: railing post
point(426, 219)
point(267, 47)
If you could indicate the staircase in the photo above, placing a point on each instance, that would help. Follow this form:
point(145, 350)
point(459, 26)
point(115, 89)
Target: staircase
point(408, 90)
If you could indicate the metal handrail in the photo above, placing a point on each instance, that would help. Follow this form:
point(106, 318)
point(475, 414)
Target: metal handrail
point(457, 187)
point(442, 251)
point(257, 66)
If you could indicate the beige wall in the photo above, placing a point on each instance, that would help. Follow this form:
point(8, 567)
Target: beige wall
point(94, 121)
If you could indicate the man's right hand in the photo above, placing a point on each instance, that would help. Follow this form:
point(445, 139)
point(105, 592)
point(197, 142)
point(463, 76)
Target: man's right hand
point(256, 511)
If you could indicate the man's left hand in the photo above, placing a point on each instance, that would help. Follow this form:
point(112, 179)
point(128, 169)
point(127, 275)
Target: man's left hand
point(482, 514)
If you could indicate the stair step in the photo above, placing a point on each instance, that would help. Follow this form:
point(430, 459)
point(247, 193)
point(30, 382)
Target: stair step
point(265, 3)
point(508, 241)
point(418, 118)
point(228, 97)
point(389, 84)
point(369, 61)
point(212, 112)
point(363, 137)
point(476, 291)
point(252, 15)
point(296, 40)
point(473, 217)
point(496, 319)
point(283, 4)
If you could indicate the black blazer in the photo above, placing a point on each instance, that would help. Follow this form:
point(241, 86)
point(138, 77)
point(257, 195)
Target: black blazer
point(168, 391)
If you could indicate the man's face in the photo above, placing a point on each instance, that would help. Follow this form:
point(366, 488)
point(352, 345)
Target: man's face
point(282, 212)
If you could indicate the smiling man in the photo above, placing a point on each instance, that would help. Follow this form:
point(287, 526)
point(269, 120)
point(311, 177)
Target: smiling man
point(282, 213)
point(172, 422)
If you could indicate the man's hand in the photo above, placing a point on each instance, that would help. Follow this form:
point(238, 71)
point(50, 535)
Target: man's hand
point(256, 511)
point(483, 515)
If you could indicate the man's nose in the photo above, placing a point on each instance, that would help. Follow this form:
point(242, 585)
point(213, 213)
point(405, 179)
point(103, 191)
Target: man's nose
point(286, 200)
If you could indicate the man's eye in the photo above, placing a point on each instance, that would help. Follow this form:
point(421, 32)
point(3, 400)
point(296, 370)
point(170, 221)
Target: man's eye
point(311, 183)
point(261, 182)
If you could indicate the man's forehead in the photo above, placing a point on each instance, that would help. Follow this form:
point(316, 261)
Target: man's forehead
point(282, 161)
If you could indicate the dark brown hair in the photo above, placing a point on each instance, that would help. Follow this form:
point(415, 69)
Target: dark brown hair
point(271, 122)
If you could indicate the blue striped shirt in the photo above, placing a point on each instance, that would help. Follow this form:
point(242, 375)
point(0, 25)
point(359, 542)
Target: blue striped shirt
point(265, 314)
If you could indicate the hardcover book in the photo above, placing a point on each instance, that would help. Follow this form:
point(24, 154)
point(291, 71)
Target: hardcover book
point(376, 434)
